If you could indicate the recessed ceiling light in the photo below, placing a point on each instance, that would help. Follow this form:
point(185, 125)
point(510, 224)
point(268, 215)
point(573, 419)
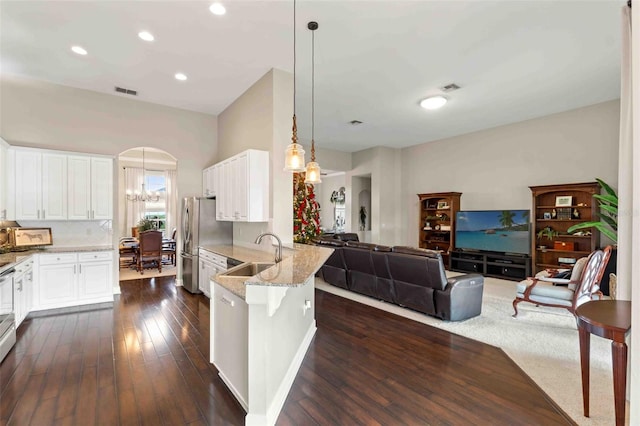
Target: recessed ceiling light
point(217, 9)
point(79, 50)
point(433, 102)
point(180, 76)
point(146, 36)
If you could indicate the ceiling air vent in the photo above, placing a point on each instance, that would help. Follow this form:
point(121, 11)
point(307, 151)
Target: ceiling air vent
point(355, 122)
point(126, 91)
point(450, 87)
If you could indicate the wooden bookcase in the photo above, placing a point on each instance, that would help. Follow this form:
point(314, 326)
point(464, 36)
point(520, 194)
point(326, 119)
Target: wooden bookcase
point(437, 222)
point(548, 252)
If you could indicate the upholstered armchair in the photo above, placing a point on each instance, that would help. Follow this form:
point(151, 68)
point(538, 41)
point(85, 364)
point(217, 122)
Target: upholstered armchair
point(582, 286)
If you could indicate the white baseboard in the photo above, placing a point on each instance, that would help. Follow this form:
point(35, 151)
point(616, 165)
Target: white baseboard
point(285, 386)
point(234, 391)
point(178, 282)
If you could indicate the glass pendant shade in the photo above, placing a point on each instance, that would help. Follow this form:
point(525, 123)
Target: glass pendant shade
point(294, 158)
point(313, 173)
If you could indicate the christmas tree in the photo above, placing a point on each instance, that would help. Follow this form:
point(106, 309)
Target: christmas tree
point(306, 211)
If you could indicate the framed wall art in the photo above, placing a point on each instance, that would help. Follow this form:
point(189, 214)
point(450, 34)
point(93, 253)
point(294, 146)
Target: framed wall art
point(28, 237)
point(563, 201)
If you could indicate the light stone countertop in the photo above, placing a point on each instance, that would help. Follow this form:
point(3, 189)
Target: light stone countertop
point(16, 257)
point(294, 270)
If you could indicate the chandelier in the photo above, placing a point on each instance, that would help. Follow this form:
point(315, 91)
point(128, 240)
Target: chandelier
point(143, 195)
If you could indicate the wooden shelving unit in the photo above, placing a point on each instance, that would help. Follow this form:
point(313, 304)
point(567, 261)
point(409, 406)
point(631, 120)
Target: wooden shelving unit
point(582, 208)
point(437, 222)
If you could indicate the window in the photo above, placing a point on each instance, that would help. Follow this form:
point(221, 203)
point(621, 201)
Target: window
point(156, 211)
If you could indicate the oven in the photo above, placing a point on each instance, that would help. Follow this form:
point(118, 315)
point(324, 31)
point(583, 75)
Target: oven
point(7, 319)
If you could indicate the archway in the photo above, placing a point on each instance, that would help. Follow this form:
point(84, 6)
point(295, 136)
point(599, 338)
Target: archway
point(153, 172)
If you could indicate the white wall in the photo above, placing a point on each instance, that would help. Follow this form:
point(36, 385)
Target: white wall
point(494, 168)
point(44, 115)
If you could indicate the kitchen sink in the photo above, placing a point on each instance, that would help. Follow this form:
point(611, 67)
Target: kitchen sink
point(248, 269)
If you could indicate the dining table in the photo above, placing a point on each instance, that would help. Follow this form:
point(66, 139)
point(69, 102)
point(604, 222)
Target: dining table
point(128, 247)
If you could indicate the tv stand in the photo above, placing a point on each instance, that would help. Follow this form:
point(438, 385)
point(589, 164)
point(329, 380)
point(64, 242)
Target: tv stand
point(498, 265)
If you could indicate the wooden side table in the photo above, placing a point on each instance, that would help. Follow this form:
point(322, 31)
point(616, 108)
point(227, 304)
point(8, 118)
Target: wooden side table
point(610, 319)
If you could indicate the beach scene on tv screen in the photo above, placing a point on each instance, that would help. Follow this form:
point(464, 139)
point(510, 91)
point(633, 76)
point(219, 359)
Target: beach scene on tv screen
point(504, 231)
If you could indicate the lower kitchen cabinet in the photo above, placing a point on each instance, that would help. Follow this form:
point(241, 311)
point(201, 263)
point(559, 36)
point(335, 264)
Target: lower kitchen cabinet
point(22, 290)
point(211, 264)
point(71, 279)
point(231, 345)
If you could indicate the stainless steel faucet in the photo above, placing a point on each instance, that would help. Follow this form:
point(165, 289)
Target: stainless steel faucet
point(278, 250)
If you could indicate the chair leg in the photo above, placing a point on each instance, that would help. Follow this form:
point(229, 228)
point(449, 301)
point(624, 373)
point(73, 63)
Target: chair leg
point(515, 306)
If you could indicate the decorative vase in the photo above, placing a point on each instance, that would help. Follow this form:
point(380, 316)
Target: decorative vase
point(613, 286)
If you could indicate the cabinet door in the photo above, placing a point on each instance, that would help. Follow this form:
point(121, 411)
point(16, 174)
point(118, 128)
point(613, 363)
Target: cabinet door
point(54, 187)
point(215, 179)
point(202, 276)
point(205, 183)
point(28, 178)
point(58, 286)
point(4, 178)
point(101, 188)
point(95, 280)
point(231, 332)
point(257, 186)
point(227, 192)
point(241, 187)
point(18, 299)
point(79, 187)
point(221, 190)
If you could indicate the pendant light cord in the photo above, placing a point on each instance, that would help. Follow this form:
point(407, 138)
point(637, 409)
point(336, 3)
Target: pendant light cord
point(313, 91)
point(294, 57)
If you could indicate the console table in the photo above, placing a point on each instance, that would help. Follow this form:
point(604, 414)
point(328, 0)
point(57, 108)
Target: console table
point(610, 319)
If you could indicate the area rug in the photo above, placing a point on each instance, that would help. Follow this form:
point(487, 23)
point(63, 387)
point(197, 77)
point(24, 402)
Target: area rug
point(127, 274)
point(542, 341)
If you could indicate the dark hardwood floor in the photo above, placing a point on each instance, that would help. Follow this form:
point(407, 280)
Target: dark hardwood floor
point(146, 362)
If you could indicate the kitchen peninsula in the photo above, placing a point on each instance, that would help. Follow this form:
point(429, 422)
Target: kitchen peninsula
point(263, 324)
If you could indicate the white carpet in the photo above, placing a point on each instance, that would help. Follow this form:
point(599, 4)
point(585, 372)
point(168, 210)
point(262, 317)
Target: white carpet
point(542, 341)
point(127, 274)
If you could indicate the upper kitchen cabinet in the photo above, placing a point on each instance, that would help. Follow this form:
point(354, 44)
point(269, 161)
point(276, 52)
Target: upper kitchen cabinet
point(90, 188)
point(52, 185)
point(241, 186)
point(4, 178)
point(40, 185)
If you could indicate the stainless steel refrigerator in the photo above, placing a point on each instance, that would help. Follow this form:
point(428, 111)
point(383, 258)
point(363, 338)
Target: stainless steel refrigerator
point(199, 228)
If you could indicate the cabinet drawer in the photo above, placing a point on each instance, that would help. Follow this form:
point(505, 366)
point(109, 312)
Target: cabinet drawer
point(213, 257)
point(94, 256)
point(57, 258)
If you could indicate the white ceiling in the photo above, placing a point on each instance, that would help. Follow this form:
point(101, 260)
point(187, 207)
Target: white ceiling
point(375, 60)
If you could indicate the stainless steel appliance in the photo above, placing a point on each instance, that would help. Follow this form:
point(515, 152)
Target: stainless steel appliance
point(7, 317)
point(199, 229)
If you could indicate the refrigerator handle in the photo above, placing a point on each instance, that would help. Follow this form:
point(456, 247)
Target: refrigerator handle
point(187, 225)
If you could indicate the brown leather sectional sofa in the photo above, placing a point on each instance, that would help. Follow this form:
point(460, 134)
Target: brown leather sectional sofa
point(409, 277)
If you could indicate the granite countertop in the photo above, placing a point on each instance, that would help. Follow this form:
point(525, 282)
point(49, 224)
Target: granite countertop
point(15, 257)
point(297, 265)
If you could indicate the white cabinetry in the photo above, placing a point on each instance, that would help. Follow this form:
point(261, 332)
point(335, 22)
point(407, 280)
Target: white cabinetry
point(22, 290)
point(50, 185)
point(40, 185)
point(211, 264)
point(90, 187)
point(242, 190)
point(209, 182)
point(4, 178)
point(231, 347)
point(70, 279)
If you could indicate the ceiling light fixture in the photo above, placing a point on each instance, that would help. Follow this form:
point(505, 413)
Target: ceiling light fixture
point(433, 102)
point(294, 154)
point(146, 36)
point(217, 9)
point(312, 174)
point(79, 50)
point(180, 76)
point(144, 195)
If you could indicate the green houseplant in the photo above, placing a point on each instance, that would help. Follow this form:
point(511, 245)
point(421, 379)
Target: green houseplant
point(145, 225)
point(608, 214)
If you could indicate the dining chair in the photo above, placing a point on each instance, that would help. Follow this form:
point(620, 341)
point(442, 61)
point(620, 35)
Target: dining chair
point(149, 249)
point(169, 248)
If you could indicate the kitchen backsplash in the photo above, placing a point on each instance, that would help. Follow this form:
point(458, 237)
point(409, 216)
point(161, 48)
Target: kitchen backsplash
point(76, 233)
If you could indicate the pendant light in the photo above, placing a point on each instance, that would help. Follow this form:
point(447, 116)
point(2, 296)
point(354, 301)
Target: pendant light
point(312, 174)
point(144, 195)
point(294, 154)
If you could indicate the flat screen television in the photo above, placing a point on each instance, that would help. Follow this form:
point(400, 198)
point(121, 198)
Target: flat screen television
point(504, 231)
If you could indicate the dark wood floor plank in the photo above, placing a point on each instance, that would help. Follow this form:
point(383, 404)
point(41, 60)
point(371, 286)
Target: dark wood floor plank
point(146, 361)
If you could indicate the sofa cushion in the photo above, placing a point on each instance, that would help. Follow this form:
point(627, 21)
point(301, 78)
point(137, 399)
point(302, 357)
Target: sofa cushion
point(416, 251)
point(358, 244)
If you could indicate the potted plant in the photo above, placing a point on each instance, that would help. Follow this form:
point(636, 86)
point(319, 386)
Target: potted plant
point(608, 205)
point(145, 225)
point(607, 225)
